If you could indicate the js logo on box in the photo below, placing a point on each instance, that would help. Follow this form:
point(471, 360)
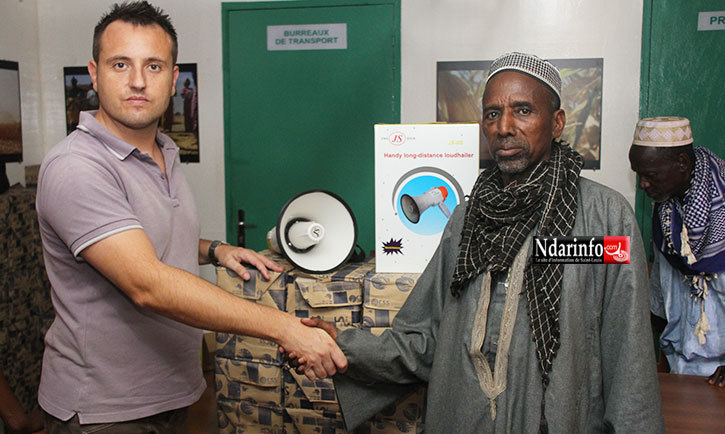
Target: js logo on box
point(397, 138)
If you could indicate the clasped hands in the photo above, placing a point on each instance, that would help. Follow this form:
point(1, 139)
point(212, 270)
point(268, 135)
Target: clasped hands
point(309, 345)
point(323, 357)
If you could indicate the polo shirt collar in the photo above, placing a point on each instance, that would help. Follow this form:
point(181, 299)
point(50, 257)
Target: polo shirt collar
point(118, 147)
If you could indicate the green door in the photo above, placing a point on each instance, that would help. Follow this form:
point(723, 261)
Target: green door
point(682, 73)
point(299, 111)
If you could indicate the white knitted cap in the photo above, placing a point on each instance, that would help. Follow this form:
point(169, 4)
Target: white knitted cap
point(663, 132)
point(528, 64)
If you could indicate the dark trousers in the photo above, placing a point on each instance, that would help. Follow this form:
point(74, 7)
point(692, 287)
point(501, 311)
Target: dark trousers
point(170, 422)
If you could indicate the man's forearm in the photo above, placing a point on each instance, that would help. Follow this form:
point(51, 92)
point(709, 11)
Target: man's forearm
point(129, 261)
point(196, 302)
point(180, 295)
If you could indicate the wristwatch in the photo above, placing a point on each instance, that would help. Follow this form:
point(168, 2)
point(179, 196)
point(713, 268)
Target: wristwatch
point(212, 258)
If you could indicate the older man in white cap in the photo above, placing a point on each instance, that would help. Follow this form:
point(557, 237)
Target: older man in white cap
point(688, 225)
point(504, 344)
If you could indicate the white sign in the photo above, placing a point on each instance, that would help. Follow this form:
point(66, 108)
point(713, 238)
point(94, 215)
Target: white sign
point(422, 173)
point(307, 37)
point(711, 20)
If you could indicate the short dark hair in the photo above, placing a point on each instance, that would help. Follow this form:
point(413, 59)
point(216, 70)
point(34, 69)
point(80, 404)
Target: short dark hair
point(673, 153)
point(554, 100)
point(139, 13)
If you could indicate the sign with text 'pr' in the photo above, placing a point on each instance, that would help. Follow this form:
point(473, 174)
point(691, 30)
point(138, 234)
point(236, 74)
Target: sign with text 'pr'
point(714, 20)
point(307, 37)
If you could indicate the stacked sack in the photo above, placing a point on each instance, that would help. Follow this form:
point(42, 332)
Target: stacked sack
point(258, 392)
point(248, 371)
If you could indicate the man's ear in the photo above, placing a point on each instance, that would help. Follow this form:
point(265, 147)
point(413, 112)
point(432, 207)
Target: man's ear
point(483, 143)
point(92, 71)
point(559, 121)
point(173, 81)
point(683, 162)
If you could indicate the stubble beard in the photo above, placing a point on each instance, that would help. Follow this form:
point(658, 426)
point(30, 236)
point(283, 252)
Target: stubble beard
point(130, 119)
point(514, 164)
point(138, 123)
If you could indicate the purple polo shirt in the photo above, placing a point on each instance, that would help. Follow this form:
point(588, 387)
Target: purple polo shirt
point(105, 358)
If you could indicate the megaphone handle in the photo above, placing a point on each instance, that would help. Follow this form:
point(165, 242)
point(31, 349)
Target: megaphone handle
point(445, 209)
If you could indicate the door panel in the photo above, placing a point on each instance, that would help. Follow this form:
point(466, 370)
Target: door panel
point(302, 120)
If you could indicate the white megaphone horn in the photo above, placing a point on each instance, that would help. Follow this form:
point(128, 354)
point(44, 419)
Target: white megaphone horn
point(414, 206)
point(316, 232)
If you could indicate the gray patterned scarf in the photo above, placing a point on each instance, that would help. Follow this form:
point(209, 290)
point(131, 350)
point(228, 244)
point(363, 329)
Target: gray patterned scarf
point(498, 220)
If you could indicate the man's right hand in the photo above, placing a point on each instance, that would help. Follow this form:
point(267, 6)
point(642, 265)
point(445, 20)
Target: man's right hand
point(324, 325)
point(312, 348)
point(299, 361)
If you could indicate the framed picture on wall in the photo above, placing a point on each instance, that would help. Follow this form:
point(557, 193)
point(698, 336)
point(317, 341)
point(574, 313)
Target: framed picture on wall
point(11, 132)
point(180, 121)
point(460, 87)
point(79, 95)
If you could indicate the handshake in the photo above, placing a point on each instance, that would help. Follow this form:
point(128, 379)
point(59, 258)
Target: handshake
point(311, 348)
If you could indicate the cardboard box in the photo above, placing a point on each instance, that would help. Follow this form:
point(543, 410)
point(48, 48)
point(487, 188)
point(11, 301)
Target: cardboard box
point(422, 172)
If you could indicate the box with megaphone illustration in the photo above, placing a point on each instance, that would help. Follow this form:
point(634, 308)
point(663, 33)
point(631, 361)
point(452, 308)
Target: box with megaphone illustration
point(422, 173)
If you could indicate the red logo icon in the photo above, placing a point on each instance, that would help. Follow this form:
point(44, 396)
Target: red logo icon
point(616, 250)
point(397, 138)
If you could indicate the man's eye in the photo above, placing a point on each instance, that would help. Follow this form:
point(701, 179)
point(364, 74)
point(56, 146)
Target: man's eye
point(155, 67)
point(524, 111)
point(491, 115)
point(119, 65)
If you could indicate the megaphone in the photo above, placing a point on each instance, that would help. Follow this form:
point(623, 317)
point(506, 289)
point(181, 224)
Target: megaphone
point(414, 206)
point(316, 232)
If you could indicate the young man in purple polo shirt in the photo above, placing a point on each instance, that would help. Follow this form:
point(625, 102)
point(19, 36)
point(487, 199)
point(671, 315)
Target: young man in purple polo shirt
point(122, 248)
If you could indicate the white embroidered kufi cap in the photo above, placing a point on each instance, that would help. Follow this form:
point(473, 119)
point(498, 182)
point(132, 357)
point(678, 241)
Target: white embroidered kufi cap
point(663, 132)
point(528, 64)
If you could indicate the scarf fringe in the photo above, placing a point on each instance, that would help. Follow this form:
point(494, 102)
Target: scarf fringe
point(685, 250)
point(703, 324)
point(702, 327)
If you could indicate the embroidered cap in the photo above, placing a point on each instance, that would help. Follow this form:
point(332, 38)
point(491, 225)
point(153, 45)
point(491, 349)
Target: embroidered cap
point(663, 132)
point(528, 64)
